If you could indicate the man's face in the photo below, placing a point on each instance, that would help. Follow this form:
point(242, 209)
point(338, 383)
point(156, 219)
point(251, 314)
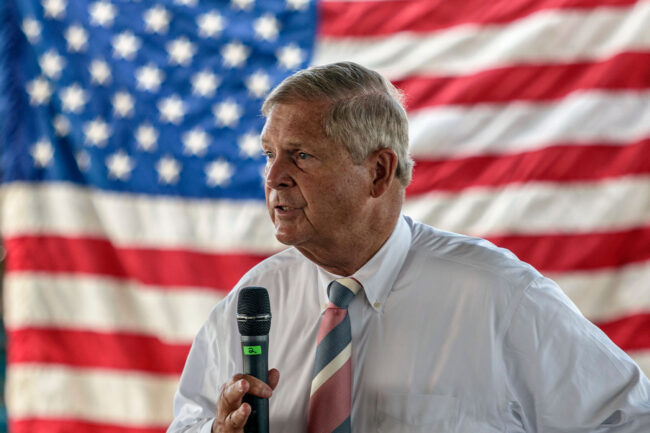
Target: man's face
point(315, 194)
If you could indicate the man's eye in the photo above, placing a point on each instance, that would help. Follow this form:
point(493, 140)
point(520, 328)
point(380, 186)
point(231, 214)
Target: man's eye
point(267, 155)
point(303, 155)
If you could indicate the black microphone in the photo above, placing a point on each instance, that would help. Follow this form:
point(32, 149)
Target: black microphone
point(254, 323)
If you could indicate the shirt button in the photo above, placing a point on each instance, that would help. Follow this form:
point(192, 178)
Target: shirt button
point(324, 306)
point(377, 304)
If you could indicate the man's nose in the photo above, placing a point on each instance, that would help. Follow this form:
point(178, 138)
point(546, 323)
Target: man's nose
point(278, 174)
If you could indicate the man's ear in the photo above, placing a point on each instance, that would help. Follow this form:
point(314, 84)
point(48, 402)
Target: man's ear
point(383, 165)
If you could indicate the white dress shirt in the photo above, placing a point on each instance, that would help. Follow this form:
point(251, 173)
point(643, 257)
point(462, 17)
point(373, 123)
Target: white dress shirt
point(450, 334)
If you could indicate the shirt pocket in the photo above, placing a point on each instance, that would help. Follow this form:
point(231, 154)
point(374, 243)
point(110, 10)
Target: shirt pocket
point(415, 413)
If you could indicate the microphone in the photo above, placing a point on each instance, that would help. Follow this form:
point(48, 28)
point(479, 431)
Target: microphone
point(254, 323)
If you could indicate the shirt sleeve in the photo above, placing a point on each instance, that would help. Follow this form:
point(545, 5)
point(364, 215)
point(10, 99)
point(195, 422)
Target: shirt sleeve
point(565, 375)
point(207, 369)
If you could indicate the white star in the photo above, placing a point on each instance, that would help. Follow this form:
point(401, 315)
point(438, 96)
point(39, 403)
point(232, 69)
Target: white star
point(32, 30)
point(172, 110)
point(204, 83)
point(196, 142)
point(168, 170)
point(39, 90)
point(149, 77)
point(147, 137)
point(74, 98)
point(258, 84)
point(42, 152)
point(123, 104)
point(290, 57)
point(83, 160)
point(51, 64)
point(54, 8)
point(227, 113)
point(97, 132)
point(181, 51)
point(186, 2)
point(210, 24)
point(243, 5)
point(267, 27)
point(102, 13)
point(100, 72)
point(297, 5)
point(119, 165)
point(61, 125)
point(77, 38)
point(249, 145)
point(125, 45)
point(157, 19)
point(218, 173)
point(234, 54)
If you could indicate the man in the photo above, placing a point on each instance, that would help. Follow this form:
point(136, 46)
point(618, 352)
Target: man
point(448, 333)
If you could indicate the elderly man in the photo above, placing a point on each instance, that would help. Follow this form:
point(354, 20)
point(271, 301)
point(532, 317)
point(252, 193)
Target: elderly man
point(430, 331)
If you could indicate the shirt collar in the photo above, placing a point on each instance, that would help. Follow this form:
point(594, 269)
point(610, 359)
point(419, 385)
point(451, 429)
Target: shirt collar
point(379, 273)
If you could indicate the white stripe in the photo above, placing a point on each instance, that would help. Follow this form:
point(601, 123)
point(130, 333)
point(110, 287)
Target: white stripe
point(549, 36)
point(642, 357)
point(609, 294)
point(113, 397)
point(538, 208)
point(528, 208)
point(583, 117)
point(331, 368)
point(109, 305)
point(129, 219)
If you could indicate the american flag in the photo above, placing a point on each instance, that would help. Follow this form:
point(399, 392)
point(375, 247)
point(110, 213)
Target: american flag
point(132, 196)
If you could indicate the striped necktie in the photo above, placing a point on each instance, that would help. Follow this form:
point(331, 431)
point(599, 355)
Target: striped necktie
point(330, 398)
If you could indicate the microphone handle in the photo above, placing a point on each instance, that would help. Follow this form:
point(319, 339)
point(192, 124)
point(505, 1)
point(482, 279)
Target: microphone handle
point(256, 363)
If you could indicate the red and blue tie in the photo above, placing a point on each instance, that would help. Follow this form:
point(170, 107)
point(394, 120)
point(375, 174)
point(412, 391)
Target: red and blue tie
point(330, 398)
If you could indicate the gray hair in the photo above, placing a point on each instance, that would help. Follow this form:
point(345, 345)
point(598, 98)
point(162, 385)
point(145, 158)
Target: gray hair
point(365, 111)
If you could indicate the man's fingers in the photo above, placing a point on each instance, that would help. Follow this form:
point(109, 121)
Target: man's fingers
point(274, 378)
point(232, 394)
point(237, 419)
point(257, 387)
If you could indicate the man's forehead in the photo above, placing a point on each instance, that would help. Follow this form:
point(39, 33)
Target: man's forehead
point(296, 118)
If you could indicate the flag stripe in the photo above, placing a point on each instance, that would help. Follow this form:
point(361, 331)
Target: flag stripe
point(528, 82)
point(53, 425)
point(609, 294)
point(469, 49)
point(147, 266)
point(80, 348)
point(41, 299)
point(82, 256)
point(629, 333)
point(538, 208)
point(559, 163)
point(160, 222)
point(579, 250)
point(581, 118)
point(116, 397)
point(351, 19)
point(530, 208)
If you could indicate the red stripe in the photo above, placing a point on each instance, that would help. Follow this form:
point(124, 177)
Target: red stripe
point(118, 350)
point(562, 163)
point(583, 251)
point(629, 333)
point(626, 71)
point(330, 405)
point(347, 19)
point(160, 267)
point(52, 425)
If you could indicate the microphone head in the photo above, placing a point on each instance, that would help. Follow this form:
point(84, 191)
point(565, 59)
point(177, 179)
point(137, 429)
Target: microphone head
point(253, 311)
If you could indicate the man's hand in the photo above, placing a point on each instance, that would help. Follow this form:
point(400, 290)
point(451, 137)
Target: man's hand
point(232, 414)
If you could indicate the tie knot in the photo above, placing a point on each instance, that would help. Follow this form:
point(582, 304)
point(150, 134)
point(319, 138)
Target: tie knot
point(342, 291)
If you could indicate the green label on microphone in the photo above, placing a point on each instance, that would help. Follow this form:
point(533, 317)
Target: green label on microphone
point(252, 350)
